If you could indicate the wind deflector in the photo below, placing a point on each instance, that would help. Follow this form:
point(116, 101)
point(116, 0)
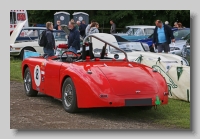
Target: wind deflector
point(120, 39)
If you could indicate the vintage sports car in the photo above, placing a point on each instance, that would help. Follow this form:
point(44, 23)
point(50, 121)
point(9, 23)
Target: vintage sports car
point(174, 68)
point(87, 81)
point(27, 39)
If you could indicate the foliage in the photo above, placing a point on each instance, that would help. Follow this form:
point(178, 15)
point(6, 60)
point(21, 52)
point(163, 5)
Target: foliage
point(122, 18)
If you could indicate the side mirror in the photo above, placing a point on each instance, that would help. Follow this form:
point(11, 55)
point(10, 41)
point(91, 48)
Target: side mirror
point(146, 47)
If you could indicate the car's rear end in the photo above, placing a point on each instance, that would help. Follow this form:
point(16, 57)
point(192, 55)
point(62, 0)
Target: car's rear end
point(119, 84)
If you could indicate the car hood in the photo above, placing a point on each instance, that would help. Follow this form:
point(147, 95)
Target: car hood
point(126, 79)
point(16, 32)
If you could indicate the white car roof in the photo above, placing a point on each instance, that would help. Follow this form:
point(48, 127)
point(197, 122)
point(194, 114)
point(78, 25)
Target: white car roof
point(140, 26)
point(34, 27)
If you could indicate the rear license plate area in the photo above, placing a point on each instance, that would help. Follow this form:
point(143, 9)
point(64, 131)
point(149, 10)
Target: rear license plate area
point(138, 102)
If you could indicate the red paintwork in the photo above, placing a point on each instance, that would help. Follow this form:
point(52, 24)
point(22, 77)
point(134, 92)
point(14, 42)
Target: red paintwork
point(116, 79)
point(65, 46)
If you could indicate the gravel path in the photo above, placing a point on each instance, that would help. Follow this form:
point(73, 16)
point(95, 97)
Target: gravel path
point(44, 112)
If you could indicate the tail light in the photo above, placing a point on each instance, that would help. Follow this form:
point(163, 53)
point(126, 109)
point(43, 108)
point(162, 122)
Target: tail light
point(166, 93)
point(63, 46)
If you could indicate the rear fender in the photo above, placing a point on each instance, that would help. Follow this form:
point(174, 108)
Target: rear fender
point(88, 86)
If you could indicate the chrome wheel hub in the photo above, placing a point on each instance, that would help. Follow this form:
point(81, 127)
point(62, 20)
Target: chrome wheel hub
point(68, 95)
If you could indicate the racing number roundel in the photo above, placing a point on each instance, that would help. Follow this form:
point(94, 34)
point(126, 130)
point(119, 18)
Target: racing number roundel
point(37, 75)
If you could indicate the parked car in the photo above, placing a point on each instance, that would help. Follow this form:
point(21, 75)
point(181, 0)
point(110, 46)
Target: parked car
point(27, 39)
point(186, 51)
point(179, 34)
point(167, 64)
point(177, 47)
point(136, 32)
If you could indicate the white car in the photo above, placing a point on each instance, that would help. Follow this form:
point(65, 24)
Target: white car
point(17, 46)
point(137, 30)
point(177, 47)
point(174, 68)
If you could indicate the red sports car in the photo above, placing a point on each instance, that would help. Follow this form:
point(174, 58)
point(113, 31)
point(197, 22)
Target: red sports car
point(89, 81)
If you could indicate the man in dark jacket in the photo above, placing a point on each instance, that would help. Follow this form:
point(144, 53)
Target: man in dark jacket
point(162, 37)
point(73, 38)
point(49, 47)
point(82, 28)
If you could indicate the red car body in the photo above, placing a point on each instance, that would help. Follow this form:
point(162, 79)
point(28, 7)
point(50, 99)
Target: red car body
point(99, 82)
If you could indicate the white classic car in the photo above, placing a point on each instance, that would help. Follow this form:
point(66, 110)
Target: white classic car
point(174, 68)
point(137, 30)
point(27, 39)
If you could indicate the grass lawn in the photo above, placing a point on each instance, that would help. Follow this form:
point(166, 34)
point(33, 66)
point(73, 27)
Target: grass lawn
point(15, 69)
point(175, 114)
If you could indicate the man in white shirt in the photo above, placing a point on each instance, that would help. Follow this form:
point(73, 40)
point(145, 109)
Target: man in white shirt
point(88, 28)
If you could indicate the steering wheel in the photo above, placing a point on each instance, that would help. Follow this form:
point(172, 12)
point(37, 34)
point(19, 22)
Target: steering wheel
point(67, 55)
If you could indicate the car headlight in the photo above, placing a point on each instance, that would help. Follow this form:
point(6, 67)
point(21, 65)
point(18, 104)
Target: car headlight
point(171, 48)
point(174, 48)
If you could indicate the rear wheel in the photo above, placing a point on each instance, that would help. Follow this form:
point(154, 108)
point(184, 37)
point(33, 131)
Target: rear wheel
point(22, 51)
point(69, 96)
point(29, 91)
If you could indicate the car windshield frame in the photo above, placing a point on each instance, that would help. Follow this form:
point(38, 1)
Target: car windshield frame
point(106, 43)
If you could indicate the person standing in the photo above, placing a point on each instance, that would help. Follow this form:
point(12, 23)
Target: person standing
point(50, 45)
point(78, 23)
point(82, 28)
point(58, 27)
point(94, 28)
point(113, 27)
point(162, 37)
point(180, 26)
point(73, 38)
point(175, 25)
point(88, 28)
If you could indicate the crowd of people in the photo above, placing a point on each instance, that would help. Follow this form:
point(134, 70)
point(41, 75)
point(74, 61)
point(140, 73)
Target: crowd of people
point(77, 29)
point(162, 37)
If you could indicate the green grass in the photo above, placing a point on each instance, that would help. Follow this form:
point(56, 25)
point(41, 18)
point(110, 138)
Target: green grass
point(15, 69)
point(175, 114)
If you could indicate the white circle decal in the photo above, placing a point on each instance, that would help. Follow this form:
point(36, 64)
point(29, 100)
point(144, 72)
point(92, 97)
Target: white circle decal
point(37, 75)
point(62, 18)
point(80, 18)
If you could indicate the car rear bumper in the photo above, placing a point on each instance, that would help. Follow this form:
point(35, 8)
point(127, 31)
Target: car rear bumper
point(14, 52)
point(125, 101)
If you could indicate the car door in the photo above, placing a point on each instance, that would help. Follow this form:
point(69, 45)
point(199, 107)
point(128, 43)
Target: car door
point(52, 73)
